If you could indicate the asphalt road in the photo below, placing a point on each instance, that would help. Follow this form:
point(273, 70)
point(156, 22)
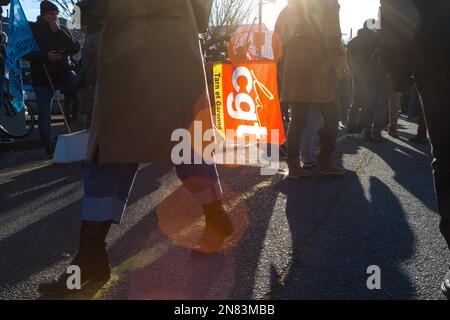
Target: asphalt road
point(308, 239)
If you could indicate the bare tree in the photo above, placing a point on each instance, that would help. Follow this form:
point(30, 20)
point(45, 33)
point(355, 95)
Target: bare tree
point(226, 17)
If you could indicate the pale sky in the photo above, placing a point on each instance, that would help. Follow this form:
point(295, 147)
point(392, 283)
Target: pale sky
point(353, 12)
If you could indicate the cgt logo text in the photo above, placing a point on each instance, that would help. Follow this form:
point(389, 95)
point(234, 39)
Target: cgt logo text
point(235, 102)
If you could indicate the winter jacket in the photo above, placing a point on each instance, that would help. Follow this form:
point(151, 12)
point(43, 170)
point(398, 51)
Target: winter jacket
point(47, 40)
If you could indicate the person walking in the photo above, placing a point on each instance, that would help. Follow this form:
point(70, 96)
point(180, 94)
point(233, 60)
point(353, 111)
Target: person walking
point(139, 105)
point(314, 61)
point(416, 48)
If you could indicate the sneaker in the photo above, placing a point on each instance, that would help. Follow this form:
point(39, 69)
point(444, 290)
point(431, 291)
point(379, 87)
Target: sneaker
point(377, 137)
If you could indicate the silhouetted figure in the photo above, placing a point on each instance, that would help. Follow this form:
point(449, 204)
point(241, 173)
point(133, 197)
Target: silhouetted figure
point(415, 43)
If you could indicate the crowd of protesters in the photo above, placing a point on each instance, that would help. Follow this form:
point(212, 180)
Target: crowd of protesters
point(322, 82)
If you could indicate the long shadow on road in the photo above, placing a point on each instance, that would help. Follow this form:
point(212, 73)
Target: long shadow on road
point(306, 239)
point(53, 235)
point(342, 226)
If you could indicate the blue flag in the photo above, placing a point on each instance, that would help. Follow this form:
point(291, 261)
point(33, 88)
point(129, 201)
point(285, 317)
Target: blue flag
point(20, 43)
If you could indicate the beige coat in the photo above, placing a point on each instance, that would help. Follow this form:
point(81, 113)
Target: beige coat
point(151, 81)
point(313, 58)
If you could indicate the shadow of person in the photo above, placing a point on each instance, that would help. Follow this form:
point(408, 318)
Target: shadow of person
point(411, 166)
point(340, 228)
point(51, 240)
point(48, 181)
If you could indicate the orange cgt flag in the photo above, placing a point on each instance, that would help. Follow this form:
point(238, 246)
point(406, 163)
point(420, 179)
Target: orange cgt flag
point(246, 101)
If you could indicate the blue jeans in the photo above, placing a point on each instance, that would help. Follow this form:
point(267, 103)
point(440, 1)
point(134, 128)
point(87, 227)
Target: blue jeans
point(330, 114)
point(107, 188)
point(44, 97)
point(314, 122)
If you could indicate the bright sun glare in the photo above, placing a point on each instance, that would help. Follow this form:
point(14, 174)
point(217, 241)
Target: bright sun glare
point(353, 13)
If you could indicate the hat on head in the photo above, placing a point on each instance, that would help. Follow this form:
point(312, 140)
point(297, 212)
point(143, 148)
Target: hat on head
point(47, 6)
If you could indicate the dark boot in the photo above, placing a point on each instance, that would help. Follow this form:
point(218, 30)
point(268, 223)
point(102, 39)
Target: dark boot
point(91, 258)
point(216, 219)
point(393, 132)
point(446, 284)
point(295, 170)
point(328, 166)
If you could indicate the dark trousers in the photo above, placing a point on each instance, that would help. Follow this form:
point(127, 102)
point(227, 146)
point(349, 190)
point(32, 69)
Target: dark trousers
point(343, 95)
point(299, 114)
point(404, 100)
point(353, 115)
point(374, 112)
point(44, 97)
point(71, 105)
point(107, 188)
point(436, 106)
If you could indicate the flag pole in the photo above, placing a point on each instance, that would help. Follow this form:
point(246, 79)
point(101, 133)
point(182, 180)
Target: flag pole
point(259, 48)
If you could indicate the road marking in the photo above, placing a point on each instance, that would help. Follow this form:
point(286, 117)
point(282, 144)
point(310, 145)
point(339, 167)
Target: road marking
point(39, 165)
point(143, 259)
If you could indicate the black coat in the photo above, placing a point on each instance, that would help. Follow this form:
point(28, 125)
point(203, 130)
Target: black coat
point(47, 40)
point(366, 65)
point(415, 40)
